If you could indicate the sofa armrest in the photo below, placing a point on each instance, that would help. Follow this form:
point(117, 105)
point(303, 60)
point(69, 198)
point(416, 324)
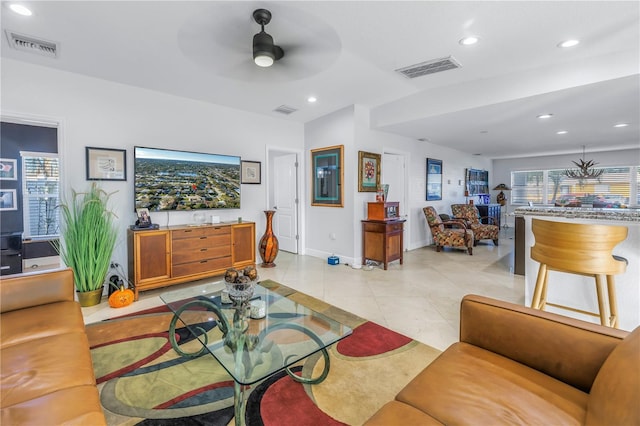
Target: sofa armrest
point(567, 349)
point(36, 288)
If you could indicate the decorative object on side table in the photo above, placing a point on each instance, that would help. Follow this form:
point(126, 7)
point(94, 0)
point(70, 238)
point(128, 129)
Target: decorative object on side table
point(268, 243)
point(383, 193)
point(240, 286)
point(501, 198)
point(88, 238)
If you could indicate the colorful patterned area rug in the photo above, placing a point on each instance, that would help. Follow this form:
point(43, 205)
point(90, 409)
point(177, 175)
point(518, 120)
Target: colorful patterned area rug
point(143, 381)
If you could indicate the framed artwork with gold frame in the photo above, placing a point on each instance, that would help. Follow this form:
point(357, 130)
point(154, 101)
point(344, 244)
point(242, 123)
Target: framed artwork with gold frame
point(368, 171)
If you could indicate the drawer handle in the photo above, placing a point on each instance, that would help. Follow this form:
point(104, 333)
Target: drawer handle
point(217, 227)
point(188, 230)
point(5, 267)
point(203, 238)
point(203, 261)
point(204, 249)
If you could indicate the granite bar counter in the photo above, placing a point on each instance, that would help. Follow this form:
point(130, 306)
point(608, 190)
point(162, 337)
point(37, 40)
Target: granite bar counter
point(580, 291)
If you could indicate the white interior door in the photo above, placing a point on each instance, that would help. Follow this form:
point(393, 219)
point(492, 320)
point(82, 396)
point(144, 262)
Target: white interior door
point(393, 174)
point(285, 197)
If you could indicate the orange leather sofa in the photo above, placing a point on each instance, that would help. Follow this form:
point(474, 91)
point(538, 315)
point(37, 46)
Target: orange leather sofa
point(47, 376)
point(516, 365)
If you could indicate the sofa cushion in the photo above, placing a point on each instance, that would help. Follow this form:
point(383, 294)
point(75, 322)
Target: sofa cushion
point(615, 394)
point(470, 385)
point(78, 405)
point(34, 369)
point(31, 324)
point(398, 413)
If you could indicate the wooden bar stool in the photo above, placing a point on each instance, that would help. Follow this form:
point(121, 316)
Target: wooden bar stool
point(579, 249)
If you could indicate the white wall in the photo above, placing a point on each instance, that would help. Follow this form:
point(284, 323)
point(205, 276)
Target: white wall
point(323, 224)
point(99, 113)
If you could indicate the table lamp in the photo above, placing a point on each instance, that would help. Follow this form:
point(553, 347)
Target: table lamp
point(501, 198)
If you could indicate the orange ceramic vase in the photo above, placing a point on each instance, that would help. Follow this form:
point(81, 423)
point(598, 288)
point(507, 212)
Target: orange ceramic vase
point(268, 243)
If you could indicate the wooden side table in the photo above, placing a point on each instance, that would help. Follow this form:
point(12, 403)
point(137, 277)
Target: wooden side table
point(382, 241)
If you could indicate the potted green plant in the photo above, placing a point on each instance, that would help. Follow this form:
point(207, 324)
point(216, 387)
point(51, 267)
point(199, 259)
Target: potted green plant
point(88, 238)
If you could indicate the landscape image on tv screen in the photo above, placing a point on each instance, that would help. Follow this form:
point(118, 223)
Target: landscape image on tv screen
point(179, 180)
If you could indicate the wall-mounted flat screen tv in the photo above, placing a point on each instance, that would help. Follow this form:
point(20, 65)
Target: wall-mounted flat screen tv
point(167, 179)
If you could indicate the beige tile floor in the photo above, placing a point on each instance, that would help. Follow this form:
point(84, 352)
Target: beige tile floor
point(419, 299)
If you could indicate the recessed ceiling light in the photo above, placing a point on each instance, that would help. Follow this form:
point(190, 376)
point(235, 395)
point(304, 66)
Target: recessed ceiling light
point(621, 125)
point(545, 116)
point(561, 132)
point(20, 9)
point(569, 43)
point(468, 41)
point(312, 99)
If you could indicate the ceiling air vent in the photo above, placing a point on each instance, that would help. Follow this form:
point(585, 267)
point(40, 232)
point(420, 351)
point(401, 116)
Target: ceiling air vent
point(31, 44)
point(285, 109)
point(429, 67)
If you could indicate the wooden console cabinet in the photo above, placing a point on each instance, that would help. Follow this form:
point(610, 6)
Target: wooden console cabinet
point(382, 241)
point(178, 254)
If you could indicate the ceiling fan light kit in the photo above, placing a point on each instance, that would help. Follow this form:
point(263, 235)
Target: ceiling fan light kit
point(265, 53)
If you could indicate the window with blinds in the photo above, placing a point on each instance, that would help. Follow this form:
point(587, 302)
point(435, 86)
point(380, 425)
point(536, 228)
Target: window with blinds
point(614, 188)
point(41, 194)
point(527, 186)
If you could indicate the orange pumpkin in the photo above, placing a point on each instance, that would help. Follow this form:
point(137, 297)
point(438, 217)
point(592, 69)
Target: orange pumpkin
point(121, 298)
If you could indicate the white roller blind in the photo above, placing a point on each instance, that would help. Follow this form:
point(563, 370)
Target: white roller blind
point(41, 193)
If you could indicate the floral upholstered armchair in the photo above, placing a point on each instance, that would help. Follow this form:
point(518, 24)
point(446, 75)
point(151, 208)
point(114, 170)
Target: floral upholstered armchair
point(459, 235)
point(481, 231)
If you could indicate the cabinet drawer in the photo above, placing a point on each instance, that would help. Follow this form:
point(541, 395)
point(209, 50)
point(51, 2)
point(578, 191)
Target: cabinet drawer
point(184, 256)
point(374, 227)
point(197, 243)
point(201, 266)
point(200, 232)
point(394, 227)
point(381, 227)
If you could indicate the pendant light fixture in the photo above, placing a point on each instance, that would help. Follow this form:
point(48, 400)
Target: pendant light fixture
point(585, 170)
point(265, 53)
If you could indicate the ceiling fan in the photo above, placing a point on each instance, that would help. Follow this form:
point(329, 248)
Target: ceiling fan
point(215, 36)
point(265, 53)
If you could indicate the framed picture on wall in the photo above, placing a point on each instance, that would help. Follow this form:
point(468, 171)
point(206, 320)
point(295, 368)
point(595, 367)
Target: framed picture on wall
point(8, 169)
point(327, 176)
point(250, 172)
point(434, 179)
point(368, 171)
point(106, 164)
point(8, 200)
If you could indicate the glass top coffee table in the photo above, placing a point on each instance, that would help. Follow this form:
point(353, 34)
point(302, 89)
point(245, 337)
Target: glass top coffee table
point(281, 333)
